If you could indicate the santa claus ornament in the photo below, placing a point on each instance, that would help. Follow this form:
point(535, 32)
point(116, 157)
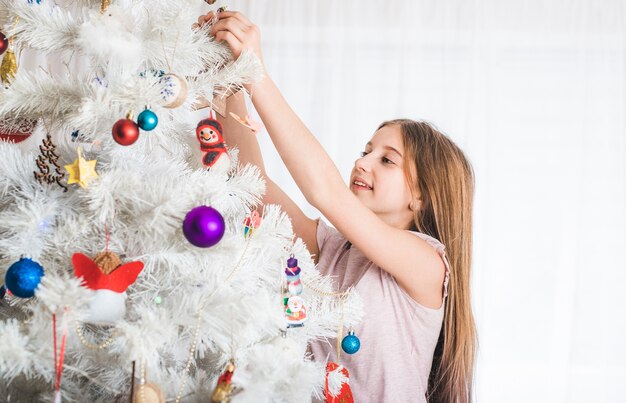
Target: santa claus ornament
point(210, 135)
point(109, 279)
point(337, 386)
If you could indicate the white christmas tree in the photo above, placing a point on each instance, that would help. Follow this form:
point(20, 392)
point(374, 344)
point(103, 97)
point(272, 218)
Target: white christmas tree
point(130, 275)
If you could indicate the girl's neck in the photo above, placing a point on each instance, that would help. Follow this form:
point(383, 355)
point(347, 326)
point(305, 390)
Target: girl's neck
point(396, 222)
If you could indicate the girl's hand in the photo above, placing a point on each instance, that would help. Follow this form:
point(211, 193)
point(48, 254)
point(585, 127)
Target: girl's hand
point(238, 32)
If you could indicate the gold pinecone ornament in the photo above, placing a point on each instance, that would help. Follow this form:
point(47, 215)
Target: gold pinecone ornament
point(8, 68)
point(104, 5)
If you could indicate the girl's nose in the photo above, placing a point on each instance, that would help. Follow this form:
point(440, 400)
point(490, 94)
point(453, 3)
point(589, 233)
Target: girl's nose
point(362, 164)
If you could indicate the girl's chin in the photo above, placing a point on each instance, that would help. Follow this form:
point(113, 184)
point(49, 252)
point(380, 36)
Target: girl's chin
point(357, 191)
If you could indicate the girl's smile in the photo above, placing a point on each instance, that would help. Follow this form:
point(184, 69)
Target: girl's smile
point(378, 178)
point(359, 184)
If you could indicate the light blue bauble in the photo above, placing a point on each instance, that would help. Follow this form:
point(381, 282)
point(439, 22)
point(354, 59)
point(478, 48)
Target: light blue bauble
point(350, 344)
point(23, 277)
point(147, 120)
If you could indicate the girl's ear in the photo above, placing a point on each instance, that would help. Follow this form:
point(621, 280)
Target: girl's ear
point(415, 204)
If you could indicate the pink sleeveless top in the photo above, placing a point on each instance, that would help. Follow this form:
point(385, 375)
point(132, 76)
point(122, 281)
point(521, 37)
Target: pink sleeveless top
point(398, 335)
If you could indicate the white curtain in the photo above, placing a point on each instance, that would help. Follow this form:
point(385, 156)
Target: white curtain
point(535, 93)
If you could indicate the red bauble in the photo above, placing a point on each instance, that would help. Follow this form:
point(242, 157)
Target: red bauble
point(17, 132)
point(4, 43)
point(125, 132)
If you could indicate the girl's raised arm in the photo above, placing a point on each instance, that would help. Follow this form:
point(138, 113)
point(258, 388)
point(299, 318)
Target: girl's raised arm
point(236, 135)
point(416, 266)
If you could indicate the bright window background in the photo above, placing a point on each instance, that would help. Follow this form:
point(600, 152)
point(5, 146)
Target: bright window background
point(534, 92)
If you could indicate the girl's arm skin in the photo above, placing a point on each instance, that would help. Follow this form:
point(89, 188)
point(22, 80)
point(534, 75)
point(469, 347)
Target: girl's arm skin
point(236, 135)
point(415, 265)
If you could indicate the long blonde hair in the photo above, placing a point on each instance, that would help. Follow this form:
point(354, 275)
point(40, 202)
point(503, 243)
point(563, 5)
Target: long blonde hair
point(438, 169)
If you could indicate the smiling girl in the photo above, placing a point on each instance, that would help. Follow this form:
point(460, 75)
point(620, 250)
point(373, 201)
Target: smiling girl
point(410, 193)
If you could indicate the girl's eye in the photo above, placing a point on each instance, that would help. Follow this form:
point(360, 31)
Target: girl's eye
point(363, 153)
point(387, 161)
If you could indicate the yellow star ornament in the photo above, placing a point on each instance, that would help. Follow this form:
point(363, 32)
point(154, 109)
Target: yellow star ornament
point(81, 171)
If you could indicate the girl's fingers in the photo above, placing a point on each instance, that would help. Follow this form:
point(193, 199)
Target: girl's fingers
point(231, 25)
point(203, 19)
point(237, 31)
point(235, 14)
point(233, 43)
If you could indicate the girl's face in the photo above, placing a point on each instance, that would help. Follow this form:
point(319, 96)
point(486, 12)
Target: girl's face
point(378, 178)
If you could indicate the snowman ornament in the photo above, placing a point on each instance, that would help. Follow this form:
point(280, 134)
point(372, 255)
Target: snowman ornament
point(210, 135)
point(109, 279)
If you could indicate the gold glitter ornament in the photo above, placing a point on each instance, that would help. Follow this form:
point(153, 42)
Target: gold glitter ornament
point(224, 388)
point(8, 69)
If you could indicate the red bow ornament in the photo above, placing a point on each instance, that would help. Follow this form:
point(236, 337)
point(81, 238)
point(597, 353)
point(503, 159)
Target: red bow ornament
point(109, 279)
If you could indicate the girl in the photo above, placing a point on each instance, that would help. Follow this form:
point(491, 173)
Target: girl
point(411, 189)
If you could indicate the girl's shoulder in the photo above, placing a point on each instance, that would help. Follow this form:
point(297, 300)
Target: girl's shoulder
point(328, 237)
point(441, 250)
point(432, 241)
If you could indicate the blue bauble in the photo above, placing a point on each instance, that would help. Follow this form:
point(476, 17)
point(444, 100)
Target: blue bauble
point(350, 344)
point(23, 277)
point(147, 120)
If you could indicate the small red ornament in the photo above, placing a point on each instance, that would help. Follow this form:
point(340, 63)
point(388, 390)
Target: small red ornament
point(4, 43)
point(125, 132)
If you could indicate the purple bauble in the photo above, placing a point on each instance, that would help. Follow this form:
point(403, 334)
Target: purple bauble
point(204, 226)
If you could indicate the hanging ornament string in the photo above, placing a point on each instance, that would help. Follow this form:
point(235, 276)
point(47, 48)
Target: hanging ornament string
point(142, 381)
point(342, 295)
point(107, 236)
point(174, 88)
point(12, 38)
point(54, 342)
point(93, 346)
point(340, 332)
point(196, 333)
point(60, 355)
point(169, 65)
